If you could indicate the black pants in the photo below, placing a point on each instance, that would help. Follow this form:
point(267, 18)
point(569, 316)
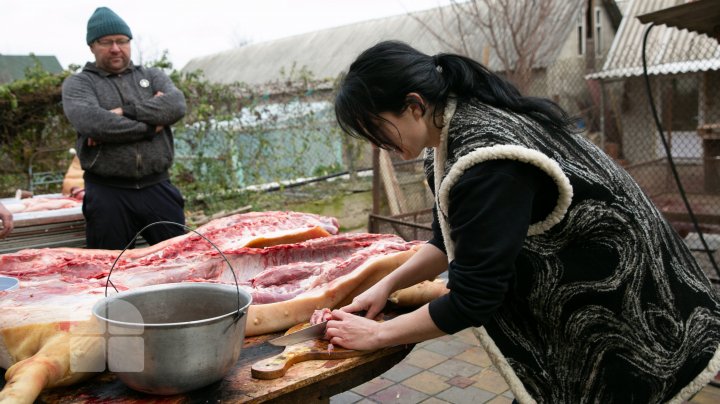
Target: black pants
point(113, 216)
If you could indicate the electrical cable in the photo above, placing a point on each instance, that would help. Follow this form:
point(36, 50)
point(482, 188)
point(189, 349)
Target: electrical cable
point(681, 189)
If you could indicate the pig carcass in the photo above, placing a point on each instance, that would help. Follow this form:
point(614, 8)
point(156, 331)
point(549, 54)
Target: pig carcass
point(291, 263)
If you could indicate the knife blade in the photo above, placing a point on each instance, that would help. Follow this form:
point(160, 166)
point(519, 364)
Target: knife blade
point(307, 333)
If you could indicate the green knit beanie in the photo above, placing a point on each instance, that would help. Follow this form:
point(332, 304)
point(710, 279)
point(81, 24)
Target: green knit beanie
point(105, 22)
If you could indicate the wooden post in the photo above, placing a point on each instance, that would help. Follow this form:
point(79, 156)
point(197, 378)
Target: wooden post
point(396, 198)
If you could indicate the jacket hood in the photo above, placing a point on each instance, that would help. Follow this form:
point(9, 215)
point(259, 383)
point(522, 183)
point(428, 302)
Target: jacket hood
point(92, 67)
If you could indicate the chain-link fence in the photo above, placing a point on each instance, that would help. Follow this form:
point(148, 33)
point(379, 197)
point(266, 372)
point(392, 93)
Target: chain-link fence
point(664, 128)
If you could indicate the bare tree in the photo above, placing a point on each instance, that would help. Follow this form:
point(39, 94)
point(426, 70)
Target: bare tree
point(518, 34)
point(146, 50)
point(239, 39)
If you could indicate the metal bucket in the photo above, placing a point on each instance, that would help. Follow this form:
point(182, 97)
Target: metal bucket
point(173, 338)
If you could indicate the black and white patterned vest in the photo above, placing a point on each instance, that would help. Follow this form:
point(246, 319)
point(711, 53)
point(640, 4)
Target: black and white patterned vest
point(608, 304)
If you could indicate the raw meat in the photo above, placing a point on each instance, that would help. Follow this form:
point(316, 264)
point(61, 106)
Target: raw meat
point(40, 204)
point(291, 263)
point(320, 316)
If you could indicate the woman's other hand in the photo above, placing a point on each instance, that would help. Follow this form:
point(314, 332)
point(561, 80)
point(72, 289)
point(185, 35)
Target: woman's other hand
point(372, 301)
point(354, 332)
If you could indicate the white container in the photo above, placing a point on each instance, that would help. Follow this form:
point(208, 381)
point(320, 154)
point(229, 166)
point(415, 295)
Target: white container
point(8, 283)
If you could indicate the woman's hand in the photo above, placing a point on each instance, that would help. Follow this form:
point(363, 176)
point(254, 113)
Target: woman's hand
point(372, 300)
point(354, 332)
point(426, 264)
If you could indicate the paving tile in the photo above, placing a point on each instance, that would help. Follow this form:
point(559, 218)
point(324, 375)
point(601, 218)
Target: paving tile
point(347, 397)
point(401, 371)
point(372, 386)
point(434, 400)
point(446, 338)
point(470, 395)
point(427, 382)
point(448, 348)
point(366, 401)
point(454, 367)
point(490, 380)
point(461, 381)
point(509, 394)
point(500, 400)
point(475, 355)
point(467, 337)
point(424, 359)
point(708, 395)
point(399, 393)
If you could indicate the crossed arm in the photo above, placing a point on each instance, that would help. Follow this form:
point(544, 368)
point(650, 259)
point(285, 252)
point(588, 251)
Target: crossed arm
point(135, 120)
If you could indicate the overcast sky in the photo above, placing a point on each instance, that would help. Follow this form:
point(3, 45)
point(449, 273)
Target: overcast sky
point(186, 28)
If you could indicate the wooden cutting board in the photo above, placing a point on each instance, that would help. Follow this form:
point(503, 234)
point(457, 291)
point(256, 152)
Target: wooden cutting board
point(276, 366)
point(311, 380)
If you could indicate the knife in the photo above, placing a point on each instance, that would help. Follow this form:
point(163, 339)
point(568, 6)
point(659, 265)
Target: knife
point(307, 333)
point(316, 331)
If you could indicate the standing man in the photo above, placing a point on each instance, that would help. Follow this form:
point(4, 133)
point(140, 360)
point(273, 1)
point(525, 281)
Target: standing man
point(122, 114)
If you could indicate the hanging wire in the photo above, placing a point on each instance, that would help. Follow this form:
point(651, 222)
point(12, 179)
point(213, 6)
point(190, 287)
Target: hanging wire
point(239, 312)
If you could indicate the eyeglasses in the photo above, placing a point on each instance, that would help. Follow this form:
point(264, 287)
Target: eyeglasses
point(108, 43)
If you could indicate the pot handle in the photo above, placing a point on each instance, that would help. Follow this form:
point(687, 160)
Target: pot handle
point(240, 313)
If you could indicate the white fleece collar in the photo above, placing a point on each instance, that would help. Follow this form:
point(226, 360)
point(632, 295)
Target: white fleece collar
point(498, 152)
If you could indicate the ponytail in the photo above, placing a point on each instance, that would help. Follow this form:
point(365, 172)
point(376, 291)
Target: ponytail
point(382, 76)
point(469, 79)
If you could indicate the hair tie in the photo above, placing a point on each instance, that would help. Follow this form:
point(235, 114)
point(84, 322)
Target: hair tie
point(436, 62)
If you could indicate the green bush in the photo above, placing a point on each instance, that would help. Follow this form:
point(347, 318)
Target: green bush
point(31, 121)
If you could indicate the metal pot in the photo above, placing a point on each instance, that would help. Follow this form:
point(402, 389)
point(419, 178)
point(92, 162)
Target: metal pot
point(173, 338)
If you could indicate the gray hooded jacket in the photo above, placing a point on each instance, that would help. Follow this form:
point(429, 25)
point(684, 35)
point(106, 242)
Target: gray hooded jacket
point(129, 152)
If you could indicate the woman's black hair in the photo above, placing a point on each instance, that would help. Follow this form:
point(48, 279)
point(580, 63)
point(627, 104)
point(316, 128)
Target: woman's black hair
point(380, 79)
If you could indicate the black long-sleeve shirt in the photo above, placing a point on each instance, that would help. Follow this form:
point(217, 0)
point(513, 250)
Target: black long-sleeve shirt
point(490, 210)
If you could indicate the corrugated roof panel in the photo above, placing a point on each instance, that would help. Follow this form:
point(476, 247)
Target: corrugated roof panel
point(668, 50)
point(325, 53)
point(698, 15)
point(328, 52)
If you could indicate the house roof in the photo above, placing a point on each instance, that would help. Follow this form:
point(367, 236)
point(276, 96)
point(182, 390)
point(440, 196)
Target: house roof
point(326, 53)
point(701, 16)
point(668, 50)
point(614, 13)
point(12, 67)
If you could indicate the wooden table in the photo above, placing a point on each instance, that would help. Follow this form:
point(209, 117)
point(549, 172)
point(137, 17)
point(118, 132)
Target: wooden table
point(305, 382)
